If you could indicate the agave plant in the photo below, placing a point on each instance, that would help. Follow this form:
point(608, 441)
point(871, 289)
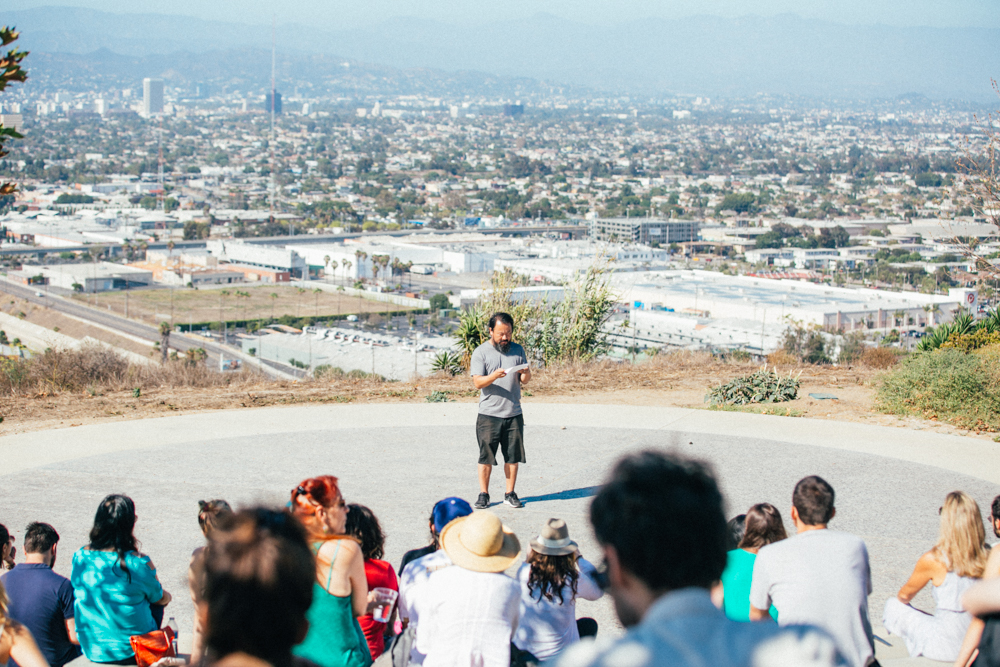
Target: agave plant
point(447, 362)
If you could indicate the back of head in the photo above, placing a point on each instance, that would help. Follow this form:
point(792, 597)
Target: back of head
point(39, 538)
point(363, 524)
point(763, 526)
point(4, 540)
point(995, 508)
point(962, 542)
point(259, 574)
point(735, 529)
point(113, 526)
point(664, 516)
point(209, 512)
point(813, 500)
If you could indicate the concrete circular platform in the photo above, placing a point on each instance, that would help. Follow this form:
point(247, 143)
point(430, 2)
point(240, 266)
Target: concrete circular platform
point(400, 459)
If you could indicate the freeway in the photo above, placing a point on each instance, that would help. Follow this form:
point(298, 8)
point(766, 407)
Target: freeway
point(178, 341)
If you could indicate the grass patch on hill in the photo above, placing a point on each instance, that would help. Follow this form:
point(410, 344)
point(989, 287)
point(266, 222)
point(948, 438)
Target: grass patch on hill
point(949, 385)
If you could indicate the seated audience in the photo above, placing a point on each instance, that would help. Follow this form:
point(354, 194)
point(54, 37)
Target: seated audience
point(952, 567)
point(818, 576)
point(258, 585)
point(660, 523)
point(735, 529)
point(974, 634)
point(6, 549)
point(364, 526)
point(340, 592)
point(42, 600)
point(117, 590)
point(471, 610)
point(209, 513)
point(16, 642)
point(763, 526)
point(552, 577)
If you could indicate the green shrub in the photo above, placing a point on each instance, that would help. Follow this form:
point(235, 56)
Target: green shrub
point(439, 397)
point(447, 362)
point(762, 386)
point(948, 384)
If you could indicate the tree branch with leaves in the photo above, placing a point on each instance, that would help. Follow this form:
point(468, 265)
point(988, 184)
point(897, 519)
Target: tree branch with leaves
point(10, 72)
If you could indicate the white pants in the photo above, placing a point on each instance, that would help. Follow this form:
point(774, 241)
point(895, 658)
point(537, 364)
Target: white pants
point(936, 637)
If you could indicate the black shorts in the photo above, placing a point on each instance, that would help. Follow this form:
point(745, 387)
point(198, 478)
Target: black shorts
point(493, 432)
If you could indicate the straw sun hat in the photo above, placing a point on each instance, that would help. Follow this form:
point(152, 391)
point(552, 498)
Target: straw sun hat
point(554, 540)
point(479, 542)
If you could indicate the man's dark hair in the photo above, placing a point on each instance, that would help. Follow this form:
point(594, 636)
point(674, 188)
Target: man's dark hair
point(663, 515)
point(39, 538)
point(735, 530)
point(995, 508)
point(503, 318)
point(258, 584)
point(813, 499)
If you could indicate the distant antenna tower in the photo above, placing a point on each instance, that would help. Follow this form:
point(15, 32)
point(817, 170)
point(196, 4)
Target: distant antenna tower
point(274, 47)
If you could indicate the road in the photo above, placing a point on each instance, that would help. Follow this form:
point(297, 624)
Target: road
point(179, 342)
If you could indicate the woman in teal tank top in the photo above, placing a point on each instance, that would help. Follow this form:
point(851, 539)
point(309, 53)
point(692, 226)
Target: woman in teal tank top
point(340, 593)
point(763, 526)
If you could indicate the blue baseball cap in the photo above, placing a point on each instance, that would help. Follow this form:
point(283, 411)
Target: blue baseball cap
point(447, 510)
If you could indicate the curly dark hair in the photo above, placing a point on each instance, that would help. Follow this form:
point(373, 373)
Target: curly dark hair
point(363, 524)
point(550, 574)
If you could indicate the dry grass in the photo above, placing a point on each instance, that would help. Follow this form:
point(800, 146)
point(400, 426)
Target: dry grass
point(68, 388)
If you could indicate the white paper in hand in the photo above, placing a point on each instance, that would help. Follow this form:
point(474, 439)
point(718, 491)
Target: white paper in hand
point(514, 369)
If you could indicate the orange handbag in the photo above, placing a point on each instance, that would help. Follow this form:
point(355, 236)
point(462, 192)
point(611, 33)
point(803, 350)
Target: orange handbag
point(152, 646)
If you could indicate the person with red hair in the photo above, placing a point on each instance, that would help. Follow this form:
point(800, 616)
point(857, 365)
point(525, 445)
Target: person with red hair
point(340, 592)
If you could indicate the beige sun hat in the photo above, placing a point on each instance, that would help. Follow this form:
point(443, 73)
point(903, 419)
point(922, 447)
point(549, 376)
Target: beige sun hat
point(554, 540)
point(479, 542)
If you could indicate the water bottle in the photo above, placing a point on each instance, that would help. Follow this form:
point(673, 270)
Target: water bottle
point(174, 628)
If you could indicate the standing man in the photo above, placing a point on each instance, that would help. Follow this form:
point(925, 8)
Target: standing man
point(499, 367)
point(42, 600)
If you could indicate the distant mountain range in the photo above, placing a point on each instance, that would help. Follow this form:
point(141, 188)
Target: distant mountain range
point(701, 55)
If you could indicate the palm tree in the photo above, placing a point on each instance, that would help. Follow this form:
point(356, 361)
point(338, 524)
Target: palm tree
point(317, 292)
point(164, 341)
point(333, 268)
point(274, 297)
point(361, 256)
point(298, 303)
point(347, 264)
point(326, 263)
point(222, 322)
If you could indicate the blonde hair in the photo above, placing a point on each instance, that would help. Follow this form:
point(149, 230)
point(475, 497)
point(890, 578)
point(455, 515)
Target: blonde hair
point(962, 542)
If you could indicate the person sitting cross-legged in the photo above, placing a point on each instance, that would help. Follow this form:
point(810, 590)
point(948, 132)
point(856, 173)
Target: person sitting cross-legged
point(952, 567)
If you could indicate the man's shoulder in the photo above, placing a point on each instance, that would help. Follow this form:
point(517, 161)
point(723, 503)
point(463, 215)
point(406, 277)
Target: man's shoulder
point(483, 348)
point(738, 644)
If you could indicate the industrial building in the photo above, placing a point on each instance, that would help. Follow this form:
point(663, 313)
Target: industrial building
point(91, 277)
point(275, 260)
point(647, 231)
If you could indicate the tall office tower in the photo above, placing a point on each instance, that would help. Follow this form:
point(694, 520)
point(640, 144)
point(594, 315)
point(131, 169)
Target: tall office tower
point(277, 103)
point(152, 97)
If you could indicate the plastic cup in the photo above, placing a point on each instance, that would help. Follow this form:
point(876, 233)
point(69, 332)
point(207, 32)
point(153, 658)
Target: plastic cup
point(386, 597)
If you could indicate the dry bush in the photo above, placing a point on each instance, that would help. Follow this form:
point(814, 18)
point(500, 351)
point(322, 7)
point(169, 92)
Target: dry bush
point(879, 357)
point(782, 358)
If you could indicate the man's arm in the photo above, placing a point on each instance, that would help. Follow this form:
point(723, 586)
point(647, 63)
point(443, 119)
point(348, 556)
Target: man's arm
point(71, 631)
point(481, 381)
point(758, 614)
point(525, 376)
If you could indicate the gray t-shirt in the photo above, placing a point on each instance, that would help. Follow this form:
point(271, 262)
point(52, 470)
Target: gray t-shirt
point(821, 578)
point(503, 397)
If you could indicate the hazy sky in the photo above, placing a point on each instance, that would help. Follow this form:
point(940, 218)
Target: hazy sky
point(344, 13)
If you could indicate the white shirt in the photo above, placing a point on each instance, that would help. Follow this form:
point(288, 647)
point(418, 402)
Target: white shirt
point(547, 627)
point(821, 578)
point(467, 618)
point(414, 575)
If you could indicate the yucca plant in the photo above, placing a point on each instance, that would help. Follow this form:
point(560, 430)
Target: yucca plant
point(447, 362)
